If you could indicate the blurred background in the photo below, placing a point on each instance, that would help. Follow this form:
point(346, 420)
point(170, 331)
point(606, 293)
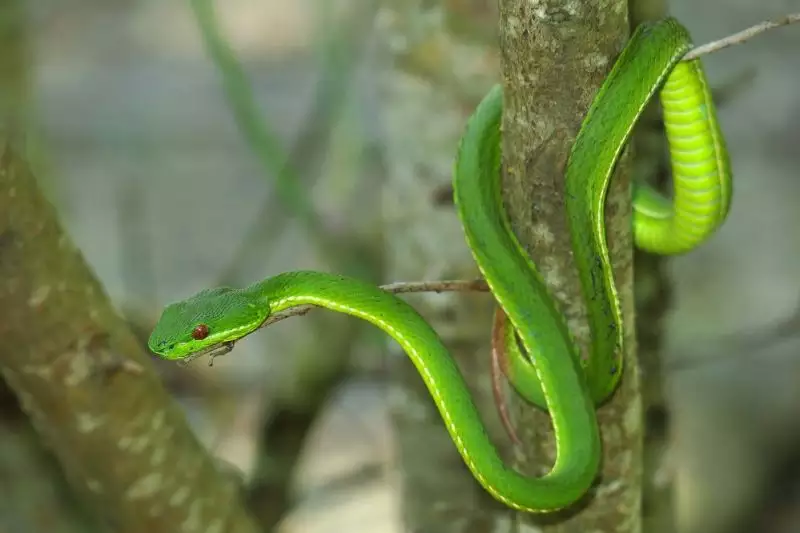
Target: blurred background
point(166, 192)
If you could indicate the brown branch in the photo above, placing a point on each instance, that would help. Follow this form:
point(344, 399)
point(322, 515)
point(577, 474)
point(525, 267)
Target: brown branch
point(89, 389)
point(400, 287)
point(224, 348)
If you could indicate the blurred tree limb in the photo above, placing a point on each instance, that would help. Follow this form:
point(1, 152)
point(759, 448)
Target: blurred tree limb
point(35, 495)
point(87, 386)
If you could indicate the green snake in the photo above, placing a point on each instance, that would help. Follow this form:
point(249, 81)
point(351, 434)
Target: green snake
point(568, 387)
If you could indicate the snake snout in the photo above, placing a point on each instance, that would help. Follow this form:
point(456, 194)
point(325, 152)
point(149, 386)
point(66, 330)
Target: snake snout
point(165, 345)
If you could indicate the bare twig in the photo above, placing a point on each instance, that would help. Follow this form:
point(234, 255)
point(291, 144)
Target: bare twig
point(400, 287)
point(460, 285)
point(742, 36)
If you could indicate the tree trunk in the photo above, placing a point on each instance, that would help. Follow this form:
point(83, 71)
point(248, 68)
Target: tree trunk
point(554, 60)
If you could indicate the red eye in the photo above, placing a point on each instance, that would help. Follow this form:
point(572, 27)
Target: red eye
point(200, 332)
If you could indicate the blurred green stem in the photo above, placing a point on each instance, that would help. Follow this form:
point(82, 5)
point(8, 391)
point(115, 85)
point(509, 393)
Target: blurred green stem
point(283, 434)
point(262, 140)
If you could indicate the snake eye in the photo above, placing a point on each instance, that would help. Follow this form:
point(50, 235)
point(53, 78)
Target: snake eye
point(200, 332)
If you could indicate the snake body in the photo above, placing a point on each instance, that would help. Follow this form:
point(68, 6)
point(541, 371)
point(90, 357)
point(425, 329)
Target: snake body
point(702, 190)
point(564, 384)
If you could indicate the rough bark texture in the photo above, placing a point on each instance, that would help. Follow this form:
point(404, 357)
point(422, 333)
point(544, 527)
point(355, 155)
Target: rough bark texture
point(88, 388)
point(35, 494)
point(439, 50)
point(555, 56)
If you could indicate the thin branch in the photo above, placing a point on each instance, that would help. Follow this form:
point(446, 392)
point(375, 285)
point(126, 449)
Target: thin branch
point(443, 195)
point(742, 36)
point(400, 287)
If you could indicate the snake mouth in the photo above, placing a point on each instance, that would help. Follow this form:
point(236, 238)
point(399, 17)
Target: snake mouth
point(213, 351)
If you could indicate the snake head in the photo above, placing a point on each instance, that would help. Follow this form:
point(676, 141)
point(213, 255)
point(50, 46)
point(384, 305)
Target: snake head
point(208, 319)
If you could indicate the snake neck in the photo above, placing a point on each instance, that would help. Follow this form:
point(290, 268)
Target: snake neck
point(303, 287)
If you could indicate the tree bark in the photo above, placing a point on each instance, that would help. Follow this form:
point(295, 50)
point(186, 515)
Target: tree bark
point(90, 392)
point(555, 56)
